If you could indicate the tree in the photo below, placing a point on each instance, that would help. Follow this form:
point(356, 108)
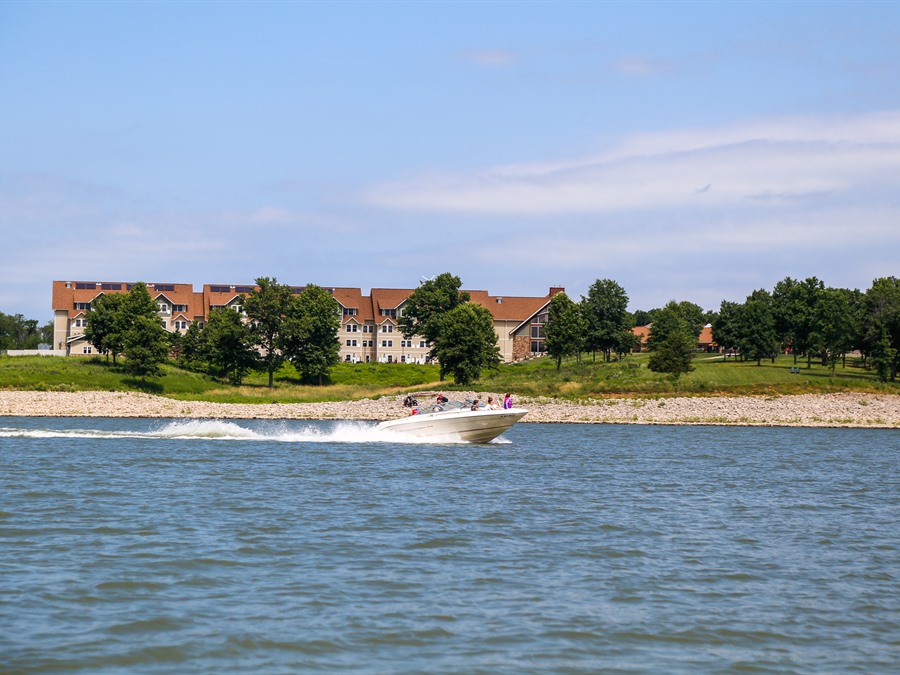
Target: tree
point(807, 322)
point(605, 311)
point(107, 322)
point(227, 345)
point(690, 314)
point(673, 342)
point(727, 326)
point(428, 306)
point(192, 353)
point(145, 343)
point(882, 325)
point(311, 333)
point(787, 307)
point(17, 332)
point(565, 328)
point(641, 318)
point(757, 336)
point(837, 321)
point(267, 307)
point(467, 343)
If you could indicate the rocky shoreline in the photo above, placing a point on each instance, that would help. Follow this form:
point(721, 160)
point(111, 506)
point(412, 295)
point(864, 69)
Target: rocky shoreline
point(828, 410)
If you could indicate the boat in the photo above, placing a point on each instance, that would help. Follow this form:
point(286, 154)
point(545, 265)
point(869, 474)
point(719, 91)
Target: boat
point(455, 419)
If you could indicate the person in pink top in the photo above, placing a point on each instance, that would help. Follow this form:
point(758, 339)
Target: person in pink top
point(507, 402)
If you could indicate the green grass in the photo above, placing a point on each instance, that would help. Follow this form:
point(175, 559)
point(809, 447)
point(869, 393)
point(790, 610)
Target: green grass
point(536, 378)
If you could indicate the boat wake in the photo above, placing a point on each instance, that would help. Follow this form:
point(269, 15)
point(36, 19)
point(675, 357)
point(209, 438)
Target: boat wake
point(224, 430)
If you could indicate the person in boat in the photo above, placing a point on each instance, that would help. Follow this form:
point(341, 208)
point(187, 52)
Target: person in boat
point(475, 405)
point(507, 402)
point(491, 405)
point(410, 402)
point(441, 399)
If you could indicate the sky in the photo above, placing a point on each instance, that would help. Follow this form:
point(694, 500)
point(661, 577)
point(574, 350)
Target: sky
point(689, 151)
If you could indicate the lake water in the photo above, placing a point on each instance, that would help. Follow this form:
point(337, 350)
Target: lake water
point(156, 546)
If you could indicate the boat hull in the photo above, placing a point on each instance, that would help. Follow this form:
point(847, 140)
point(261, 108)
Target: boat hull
point(481, 426)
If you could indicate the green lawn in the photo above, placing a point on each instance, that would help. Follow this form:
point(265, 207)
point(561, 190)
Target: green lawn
point(539, 377)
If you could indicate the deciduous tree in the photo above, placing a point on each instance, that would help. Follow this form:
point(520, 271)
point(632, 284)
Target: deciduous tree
point(145, 343)
point(467, 343)
point(565, 328)
point(228, 345)
point(605, 312)
point(673, 342)
point(267, 307)
point(311, 333)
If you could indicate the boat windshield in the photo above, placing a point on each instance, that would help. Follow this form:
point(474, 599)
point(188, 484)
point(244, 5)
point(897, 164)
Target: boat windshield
point(449, 405)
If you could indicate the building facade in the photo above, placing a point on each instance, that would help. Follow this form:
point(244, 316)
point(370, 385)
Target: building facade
point(370, 324)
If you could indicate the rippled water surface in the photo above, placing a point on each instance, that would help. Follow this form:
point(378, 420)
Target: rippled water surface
point(210, 547)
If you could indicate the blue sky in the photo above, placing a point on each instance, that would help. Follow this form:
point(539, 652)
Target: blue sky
point(690, 151)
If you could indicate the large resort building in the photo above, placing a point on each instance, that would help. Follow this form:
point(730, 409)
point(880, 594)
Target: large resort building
point(369, 332)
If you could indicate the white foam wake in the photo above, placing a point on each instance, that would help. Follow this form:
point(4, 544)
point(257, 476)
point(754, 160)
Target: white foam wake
point(224, 430)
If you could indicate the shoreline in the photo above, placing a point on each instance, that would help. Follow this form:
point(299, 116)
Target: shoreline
point(852, 410)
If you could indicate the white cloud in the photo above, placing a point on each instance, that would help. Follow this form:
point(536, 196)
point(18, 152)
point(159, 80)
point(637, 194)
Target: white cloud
point(752, 164)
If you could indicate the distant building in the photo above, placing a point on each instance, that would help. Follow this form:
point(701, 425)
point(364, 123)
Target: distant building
point(705, 341)
point(369, 332)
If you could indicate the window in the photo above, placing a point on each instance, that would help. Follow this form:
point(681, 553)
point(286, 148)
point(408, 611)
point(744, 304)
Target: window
point(406, 343)
point(164, 287)
point(537, 331)
point(83, 305)
point(349, 311)
point(537, 346)
point(423, 344)
point(85, 286)
point(219, 289)
point(352, 328)
point(111, 287)
point(389, 312)
point(79, 323)
point(86, 349)
point(368, 328)
point(244, 289)
point(181, 325)
point(163, 308)
point(387, 328)
point(179, 308)
point(387, 343)
point(347, 358)
point(351, 343)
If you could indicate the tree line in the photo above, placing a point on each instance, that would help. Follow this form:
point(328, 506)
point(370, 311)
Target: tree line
point(17, 332)
point(276, 326)
point(816, 322)
point(807, 318)
point(272, 327)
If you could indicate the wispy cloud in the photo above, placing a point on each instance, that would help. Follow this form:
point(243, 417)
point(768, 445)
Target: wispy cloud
point(490, 57)
point(642, 66)
point(752, 164)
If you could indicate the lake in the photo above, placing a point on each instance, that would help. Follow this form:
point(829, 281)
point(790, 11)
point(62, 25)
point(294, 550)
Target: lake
point(165, 546)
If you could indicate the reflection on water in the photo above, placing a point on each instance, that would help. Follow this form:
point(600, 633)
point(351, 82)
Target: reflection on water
point(259, 546)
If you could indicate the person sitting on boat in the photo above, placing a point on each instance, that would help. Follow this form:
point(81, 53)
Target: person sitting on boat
point(442, 399)
point(491, 405)
point(507, 402)
point(475, 405)
point(410, 402)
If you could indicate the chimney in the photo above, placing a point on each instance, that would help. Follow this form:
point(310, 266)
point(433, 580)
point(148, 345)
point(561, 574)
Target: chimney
point(556, 289)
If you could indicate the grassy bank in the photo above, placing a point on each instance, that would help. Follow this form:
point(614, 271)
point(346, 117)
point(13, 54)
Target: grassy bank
point(588, 379)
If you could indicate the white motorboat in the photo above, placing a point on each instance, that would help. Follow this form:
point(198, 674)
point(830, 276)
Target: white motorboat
point(455, 419)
